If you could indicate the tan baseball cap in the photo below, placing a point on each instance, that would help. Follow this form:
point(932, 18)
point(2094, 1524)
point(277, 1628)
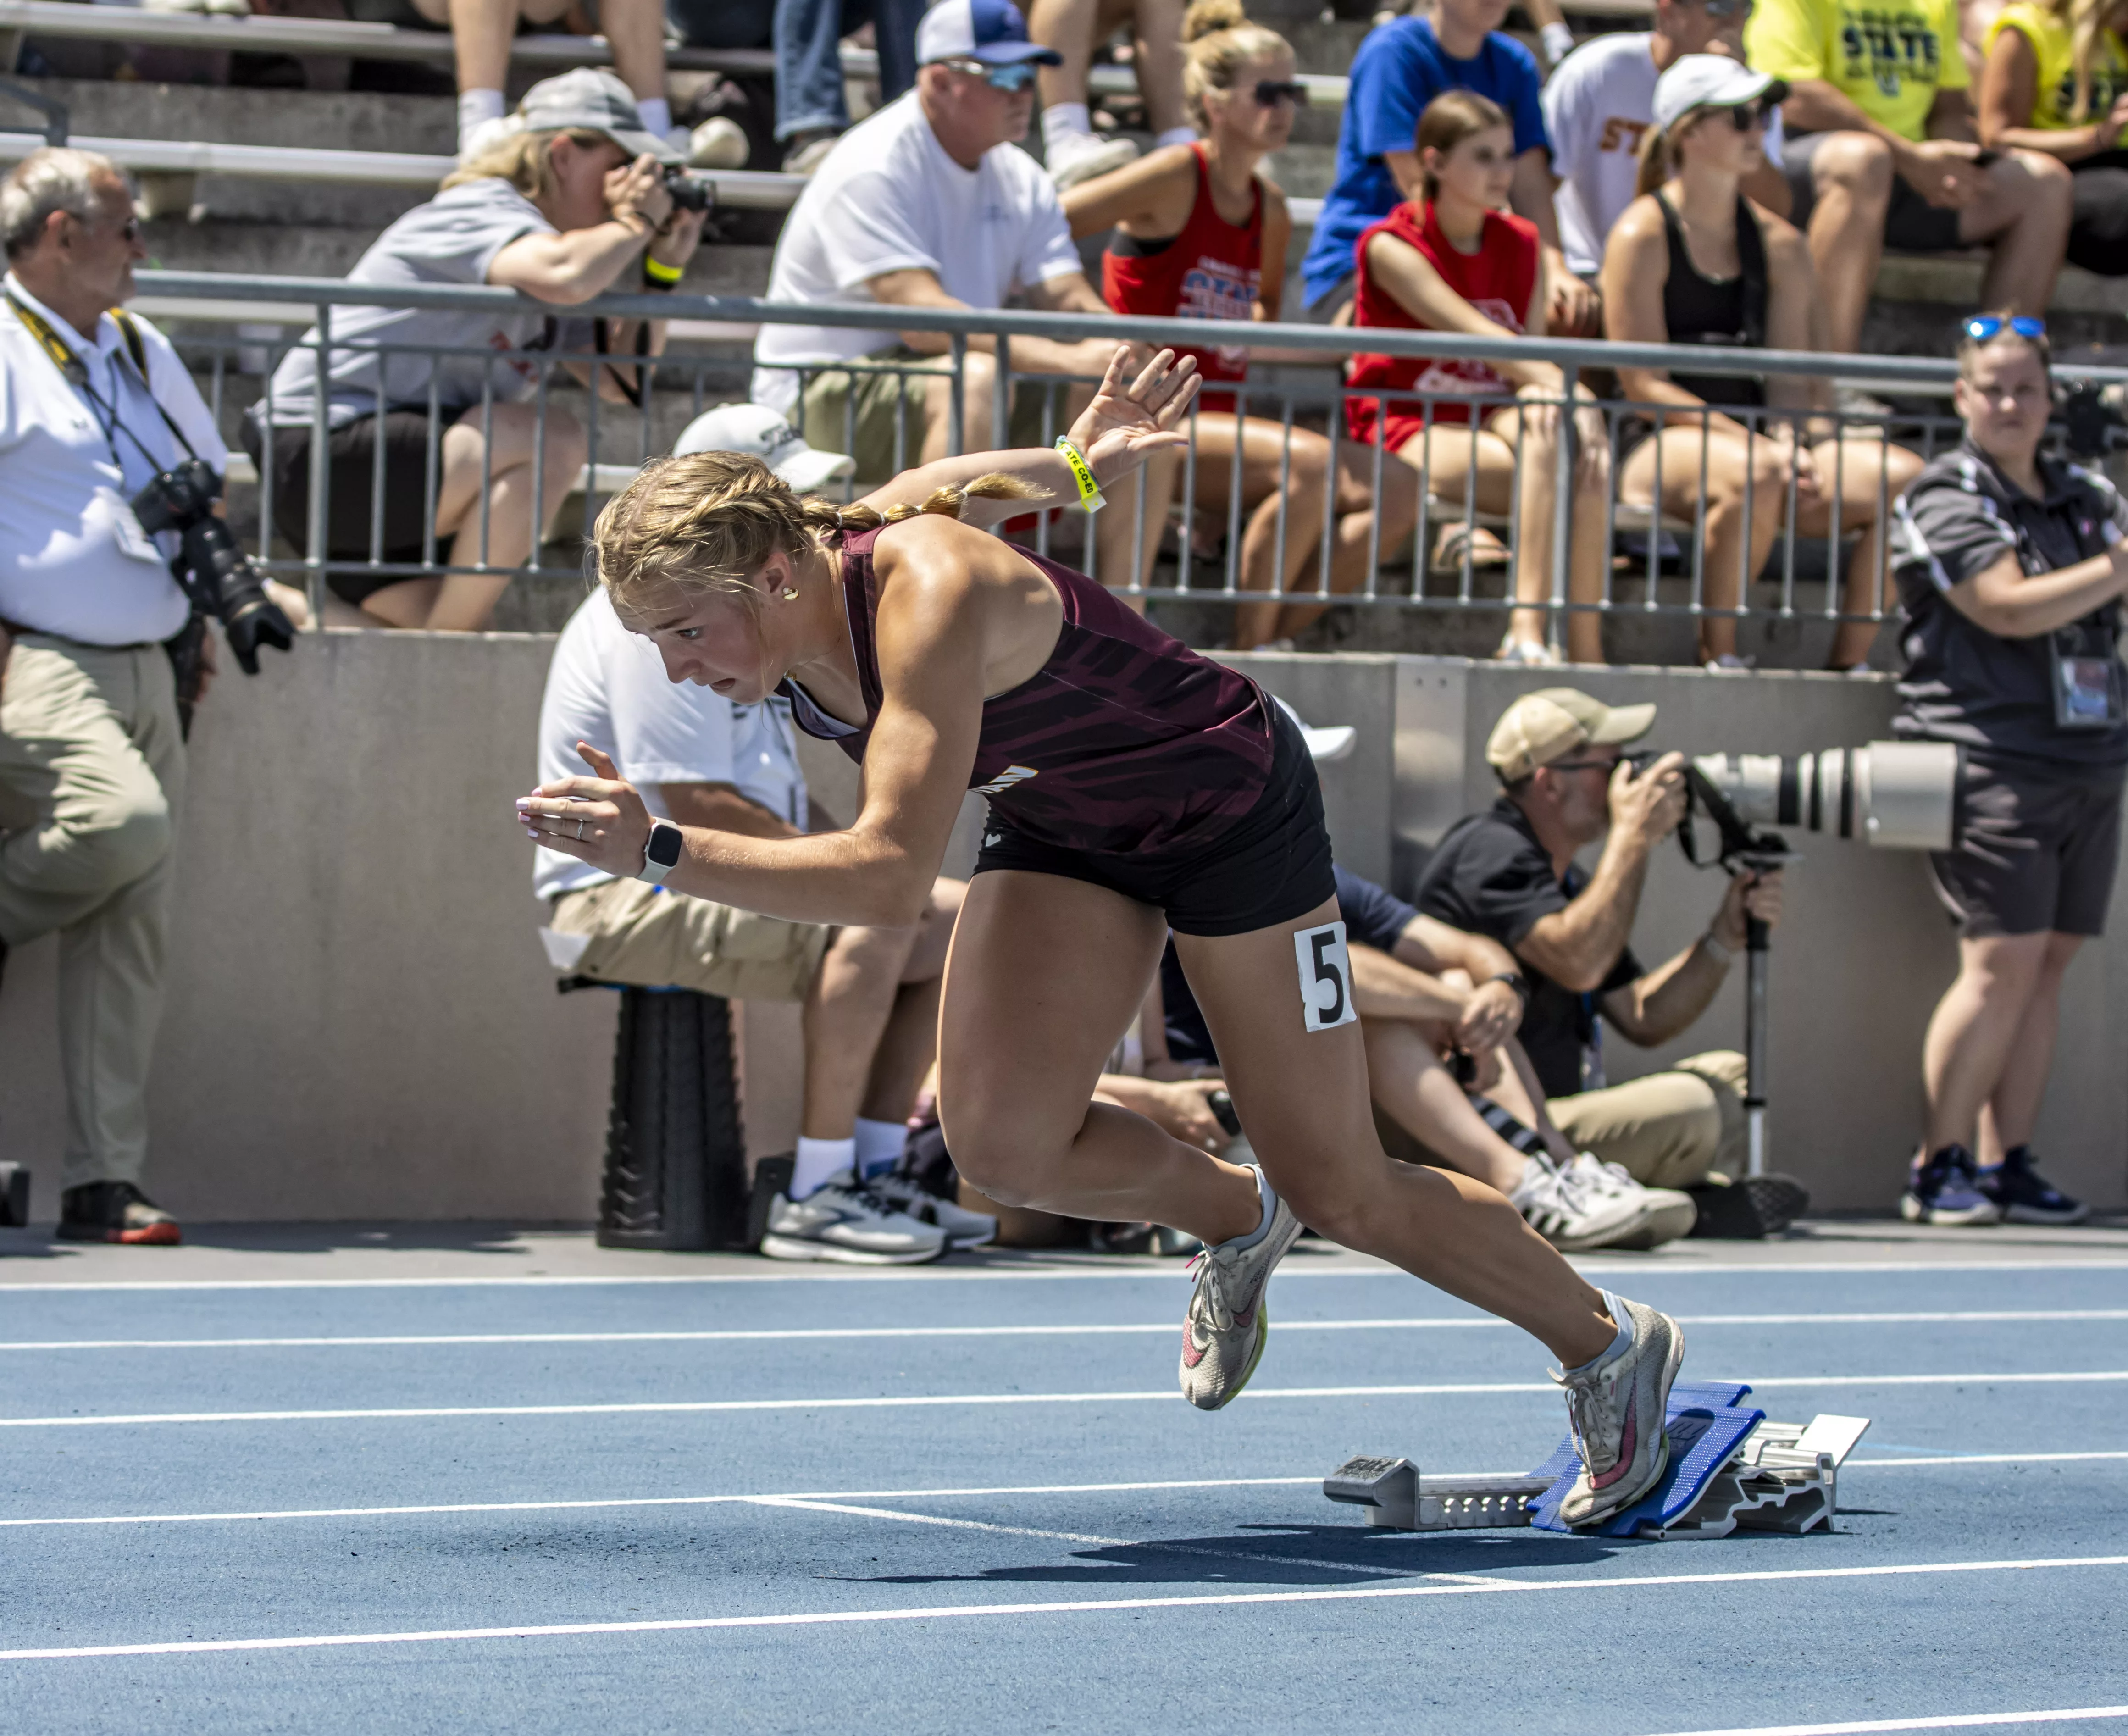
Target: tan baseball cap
point(1551, 723)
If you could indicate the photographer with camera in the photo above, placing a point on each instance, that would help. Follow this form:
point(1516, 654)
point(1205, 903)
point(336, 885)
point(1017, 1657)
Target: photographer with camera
point(576, 200)
point(2011, 568)
point(1509, 872)
point(110, 558)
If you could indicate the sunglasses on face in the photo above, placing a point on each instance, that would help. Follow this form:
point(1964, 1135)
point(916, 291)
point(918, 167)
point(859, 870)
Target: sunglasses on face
point(1982, 327)
point(1749, 117)
point(1015, 75)
point(1272, 92)
point(1605, 766)
point(1727, 8)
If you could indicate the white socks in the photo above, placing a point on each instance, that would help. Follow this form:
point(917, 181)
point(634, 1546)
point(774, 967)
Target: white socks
point(657, 115)
point(879, 1147)
point(1558, 41)
point(818, 1163)
point(476, 109)
point(1064, 120)
point(1175, 136)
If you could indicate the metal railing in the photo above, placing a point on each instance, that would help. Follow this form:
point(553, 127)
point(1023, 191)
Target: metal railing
point(1378, 552)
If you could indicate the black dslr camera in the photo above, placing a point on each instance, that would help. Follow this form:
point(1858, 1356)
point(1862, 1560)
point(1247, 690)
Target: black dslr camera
point(213, 571)
point(688, 192)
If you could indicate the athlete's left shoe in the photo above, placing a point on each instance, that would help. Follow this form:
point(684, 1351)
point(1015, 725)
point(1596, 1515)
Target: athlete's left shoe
point(2023, 1195)
point(1616, 1406)
point(1223, 1340)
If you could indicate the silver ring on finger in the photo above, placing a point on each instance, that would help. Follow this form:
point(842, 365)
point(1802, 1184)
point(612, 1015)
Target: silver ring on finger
point(580, 828)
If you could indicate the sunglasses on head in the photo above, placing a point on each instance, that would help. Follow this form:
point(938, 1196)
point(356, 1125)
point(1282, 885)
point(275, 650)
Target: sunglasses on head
point(1272, 92)
point(1014, 75)
point(1982, 327)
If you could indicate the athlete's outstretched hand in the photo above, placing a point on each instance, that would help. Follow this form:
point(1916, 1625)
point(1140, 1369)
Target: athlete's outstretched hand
point(601, 821)
point(1130, 419)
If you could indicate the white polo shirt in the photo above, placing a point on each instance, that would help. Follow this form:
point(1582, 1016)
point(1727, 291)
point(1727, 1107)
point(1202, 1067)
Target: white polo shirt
point(74, 560)
point(608, 685)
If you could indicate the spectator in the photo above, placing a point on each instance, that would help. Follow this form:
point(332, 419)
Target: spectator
point(926, 204)
point(2011, 568)
point(1401, 68)
point(93, 404)
point(1510, 874)
point(2056, 81)
point(1423, 989)
point(572, 206)
point(1201, 233)
point(1070, 149)
point(871, 996)
point(1599, 107)
point(1451, 260)
point(811, 110)
point(1881, 152)
point(1693, 261)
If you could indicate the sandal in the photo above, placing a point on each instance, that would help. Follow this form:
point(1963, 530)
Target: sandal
point(1487, 552)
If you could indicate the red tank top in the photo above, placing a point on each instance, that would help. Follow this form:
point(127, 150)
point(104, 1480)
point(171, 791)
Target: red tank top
point(1498, 280)
point(1126, 742)
point(1212, 270)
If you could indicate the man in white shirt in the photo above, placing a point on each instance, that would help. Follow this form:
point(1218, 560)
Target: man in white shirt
point(871, 996)
point(1599, 107)
point(928, 203)
point(92, 755)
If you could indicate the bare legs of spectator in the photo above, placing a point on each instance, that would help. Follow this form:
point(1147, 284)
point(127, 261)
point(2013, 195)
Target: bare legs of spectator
point(501, 468)
point(1851, 177)
point(1018, 1069)
point(482, 30)
point(1127, 530)
point(2024, 216)
point(871, 1018)
point(1991, 1042)
point(1455, 466)
point(1075, 28)
point(1416, 1091)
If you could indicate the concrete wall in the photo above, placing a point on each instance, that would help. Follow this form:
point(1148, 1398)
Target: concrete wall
point(361, 1024)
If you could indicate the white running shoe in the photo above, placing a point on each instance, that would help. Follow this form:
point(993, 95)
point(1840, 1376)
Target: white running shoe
point(1616, 1409)
point(720, 142)
point(1568, 1214)
point(1077, 157)
point(1223, 1340)
point(964, 1228)
point(1666, 1213)
point(1529, 652)
point(851, 1224)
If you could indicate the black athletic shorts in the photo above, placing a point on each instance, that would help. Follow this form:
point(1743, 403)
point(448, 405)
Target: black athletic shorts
point(2036, 848)
point(1270, 867)
point(352, 451)
point(1911, 224)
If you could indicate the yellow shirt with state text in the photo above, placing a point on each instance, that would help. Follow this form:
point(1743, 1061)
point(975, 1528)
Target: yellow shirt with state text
point(1889, 58)
point(2054, 106)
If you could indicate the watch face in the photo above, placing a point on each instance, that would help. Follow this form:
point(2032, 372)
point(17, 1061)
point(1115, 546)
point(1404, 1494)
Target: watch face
point(664, 847)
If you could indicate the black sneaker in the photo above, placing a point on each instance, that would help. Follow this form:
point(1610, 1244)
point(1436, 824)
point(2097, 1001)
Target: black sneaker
point(14, 1196)
point(116, 1211)
point(1945, 1188)
point(2024, 1196)
point(1750, 1210)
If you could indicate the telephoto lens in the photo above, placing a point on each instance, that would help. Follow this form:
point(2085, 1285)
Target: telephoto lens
point(215, 572)
point(1898, 795)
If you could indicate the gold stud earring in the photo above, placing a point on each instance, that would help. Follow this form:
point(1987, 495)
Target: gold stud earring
point(790, 593)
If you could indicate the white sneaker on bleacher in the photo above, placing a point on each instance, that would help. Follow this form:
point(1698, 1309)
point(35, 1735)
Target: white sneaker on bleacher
point(1080, 156)
point(964, 1228)
point(487, 135)
point(1567, 1213)
point(1666, 1213)
point(849, 1225)
point(720, 142)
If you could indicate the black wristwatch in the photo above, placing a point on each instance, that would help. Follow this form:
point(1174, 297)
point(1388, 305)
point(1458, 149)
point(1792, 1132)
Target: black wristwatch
point(661, 851)
point(1515, 981)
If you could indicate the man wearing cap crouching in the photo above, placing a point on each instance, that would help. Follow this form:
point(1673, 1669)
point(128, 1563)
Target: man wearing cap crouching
point(1510, 873)
point(871, 996)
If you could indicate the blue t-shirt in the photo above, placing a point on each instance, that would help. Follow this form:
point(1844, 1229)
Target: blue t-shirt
point(1373, 917)
point(1399, 69)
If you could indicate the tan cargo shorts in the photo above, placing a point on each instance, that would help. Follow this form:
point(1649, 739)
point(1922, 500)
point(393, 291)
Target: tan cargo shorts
point(649, 938)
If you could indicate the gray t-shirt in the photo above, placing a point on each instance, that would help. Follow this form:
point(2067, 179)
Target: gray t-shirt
point(452, 239)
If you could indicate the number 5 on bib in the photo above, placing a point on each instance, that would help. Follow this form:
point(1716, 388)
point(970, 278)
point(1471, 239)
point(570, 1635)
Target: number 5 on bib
point(1326, 977)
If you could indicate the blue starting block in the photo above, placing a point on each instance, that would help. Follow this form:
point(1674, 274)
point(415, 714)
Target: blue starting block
point(1730, 1469)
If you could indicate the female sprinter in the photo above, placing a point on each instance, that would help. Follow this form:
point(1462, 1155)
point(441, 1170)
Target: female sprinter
point(1200, 233)
point(1134, 785)
point(2056, 80)
point(1693, 261)
point(1457, 261)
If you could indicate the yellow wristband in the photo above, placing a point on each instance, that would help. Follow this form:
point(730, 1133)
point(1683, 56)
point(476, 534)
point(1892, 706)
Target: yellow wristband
point(660, 273)
point(1090, 491)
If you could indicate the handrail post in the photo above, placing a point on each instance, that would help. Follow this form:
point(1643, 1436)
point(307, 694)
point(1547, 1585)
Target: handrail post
point(314, 556)
point(956, 410)
point(1001, 396)
point(1562, 513)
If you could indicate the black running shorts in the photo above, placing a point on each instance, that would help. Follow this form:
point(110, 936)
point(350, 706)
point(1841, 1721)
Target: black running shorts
point(1270, 866)
point(2036, 848)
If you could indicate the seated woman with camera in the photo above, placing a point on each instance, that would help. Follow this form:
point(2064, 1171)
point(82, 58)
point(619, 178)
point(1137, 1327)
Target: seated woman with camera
point(1693, 261)
point(572, 205)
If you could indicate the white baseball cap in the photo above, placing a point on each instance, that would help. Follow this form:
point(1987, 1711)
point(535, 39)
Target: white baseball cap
point(1326, 745)
point(993, 31)
point(1710, 81)
point(762, 433)
point(594, 99)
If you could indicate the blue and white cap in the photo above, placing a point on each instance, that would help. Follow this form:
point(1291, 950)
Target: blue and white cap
point(993, 31)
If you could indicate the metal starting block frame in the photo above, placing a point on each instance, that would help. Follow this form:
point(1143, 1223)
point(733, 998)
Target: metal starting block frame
point(1760, 1476)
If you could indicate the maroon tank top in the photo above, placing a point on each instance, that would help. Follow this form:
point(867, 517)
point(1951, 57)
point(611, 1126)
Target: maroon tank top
point(1125, 742)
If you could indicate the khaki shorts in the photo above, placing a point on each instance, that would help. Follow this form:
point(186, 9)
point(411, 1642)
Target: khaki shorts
point(1667, 1129)
point(846, 411)
point(649, 938)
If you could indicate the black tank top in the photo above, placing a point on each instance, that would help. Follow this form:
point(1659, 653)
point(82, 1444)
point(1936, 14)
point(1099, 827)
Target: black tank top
point(1126, 742)
point(1730, 312)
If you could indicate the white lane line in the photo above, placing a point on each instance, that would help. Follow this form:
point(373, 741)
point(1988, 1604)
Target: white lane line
point(1655, 1266)
point(821, 1495)
point(932, 1400)
point(1423, 1323)
point(1470, 1586)
point(1955, 1721)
